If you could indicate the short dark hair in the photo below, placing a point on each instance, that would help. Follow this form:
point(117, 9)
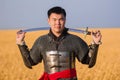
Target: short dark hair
point(57, 10)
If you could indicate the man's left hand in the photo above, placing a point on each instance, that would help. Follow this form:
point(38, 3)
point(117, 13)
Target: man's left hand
point(96, 37)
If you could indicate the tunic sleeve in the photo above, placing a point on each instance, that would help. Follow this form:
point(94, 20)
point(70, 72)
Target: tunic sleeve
point(82, 50)
point(31, 57)
point(35, 51)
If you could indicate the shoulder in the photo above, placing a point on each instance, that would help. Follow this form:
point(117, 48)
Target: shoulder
point(42, 37)
point(74, 36)
point(76, 39)
point(41, 40)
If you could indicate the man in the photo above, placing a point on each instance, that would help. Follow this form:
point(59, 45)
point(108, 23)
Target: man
point(58, 49)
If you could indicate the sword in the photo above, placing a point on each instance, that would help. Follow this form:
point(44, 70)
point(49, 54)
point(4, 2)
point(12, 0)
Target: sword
point(85, 32)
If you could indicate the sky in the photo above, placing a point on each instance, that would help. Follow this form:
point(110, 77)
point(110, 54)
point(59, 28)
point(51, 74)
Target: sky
point(19, 14)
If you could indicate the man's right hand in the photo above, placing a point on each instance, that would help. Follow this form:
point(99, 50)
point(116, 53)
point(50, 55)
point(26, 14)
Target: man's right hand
point(20, 37)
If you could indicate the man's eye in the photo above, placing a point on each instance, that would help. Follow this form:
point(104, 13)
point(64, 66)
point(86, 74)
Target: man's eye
point(62, 19)
point(54, 19)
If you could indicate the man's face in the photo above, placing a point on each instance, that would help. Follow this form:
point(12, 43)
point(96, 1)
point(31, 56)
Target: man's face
point(57, 22)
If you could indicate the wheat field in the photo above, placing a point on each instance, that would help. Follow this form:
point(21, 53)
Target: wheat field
point(107, 66)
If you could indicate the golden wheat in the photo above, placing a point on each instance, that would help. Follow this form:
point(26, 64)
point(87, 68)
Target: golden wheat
point(107, 66)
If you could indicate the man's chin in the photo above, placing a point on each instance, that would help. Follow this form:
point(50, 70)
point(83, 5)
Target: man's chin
point(58, 31)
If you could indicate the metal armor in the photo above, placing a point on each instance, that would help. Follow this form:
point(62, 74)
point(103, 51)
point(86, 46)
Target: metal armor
point(58, 60)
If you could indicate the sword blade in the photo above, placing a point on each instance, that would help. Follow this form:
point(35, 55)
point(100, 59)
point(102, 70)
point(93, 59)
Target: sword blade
point(86, 32)
point(47, 28)
point(35, 29)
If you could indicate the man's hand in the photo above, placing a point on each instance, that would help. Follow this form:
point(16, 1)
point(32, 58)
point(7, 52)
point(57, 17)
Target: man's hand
point(96, 37)
point(20, 37)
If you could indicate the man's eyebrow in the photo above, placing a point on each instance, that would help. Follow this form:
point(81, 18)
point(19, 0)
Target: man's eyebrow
point(58, 19)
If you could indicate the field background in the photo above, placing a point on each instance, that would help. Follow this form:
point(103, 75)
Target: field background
point(107, 66)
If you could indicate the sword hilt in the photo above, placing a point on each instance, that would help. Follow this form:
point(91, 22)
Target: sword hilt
point(86, 32)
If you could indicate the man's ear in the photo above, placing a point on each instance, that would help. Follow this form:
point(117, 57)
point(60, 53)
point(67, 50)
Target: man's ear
point(48, 21)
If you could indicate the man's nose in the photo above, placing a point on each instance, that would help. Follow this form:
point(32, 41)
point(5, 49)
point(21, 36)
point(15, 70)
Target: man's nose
point(58, 22)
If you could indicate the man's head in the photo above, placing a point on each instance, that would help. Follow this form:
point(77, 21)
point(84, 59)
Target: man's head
point(57, 19)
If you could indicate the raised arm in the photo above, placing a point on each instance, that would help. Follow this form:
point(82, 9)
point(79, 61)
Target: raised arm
point(24, 49)
point(93, 48)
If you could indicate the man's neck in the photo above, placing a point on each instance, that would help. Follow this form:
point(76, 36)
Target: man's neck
point(57, 34)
